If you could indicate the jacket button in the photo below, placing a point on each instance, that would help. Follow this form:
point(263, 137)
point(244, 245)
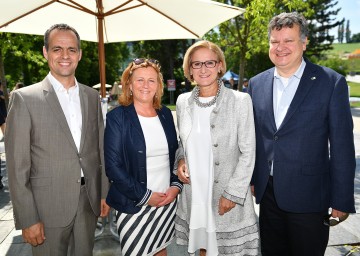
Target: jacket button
point(215, 145)
point(217, 163)
point(212, 126)
point(276, 137)
point(216, 181)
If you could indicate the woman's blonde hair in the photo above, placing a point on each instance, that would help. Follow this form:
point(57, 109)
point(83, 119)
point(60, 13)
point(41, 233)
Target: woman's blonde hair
point(203, 44)
point(126, 97)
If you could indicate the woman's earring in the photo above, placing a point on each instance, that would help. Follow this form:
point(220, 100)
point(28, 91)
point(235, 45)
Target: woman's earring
point(130, 92)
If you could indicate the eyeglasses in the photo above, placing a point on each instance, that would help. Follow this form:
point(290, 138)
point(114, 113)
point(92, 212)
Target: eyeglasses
point(138, 61)
point(199, 64)
point(331, 221)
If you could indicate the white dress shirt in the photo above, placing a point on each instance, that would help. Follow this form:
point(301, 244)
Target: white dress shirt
point(70, 104)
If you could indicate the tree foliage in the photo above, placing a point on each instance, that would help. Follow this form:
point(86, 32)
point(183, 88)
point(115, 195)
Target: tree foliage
point(321, 16)
point(348, 32)
point(246, 36)
point(341, 33)
point(355, 38)
point(21, 59)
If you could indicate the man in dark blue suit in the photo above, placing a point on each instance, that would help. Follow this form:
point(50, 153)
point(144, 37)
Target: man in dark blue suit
point(305, 161)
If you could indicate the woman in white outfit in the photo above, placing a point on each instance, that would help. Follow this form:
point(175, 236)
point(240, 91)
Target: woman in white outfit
point(215, 160)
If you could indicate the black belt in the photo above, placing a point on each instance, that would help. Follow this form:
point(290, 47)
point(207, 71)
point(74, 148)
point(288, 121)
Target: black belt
point(82, 181)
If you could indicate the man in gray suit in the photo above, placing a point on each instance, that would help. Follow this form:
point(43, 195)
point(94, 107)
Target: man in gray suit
point(54, 151)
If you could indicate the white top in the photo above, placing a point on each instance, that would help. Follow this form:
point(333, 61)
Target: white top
point(157, 154)
point(70, 104)
point(200, 161)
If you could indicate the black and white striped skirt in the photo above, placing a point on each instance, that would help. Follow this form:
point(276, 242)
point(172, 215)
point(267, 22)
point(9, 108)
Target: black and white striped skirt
point(146, 232)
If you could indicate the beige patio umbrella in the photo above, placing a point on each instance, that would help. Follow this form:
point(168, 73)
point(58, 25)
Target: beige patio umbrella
point(106, 21)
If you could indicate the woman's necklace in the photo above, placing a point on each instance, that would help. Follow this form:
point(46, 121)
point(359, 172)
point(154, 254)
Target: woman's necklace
point(206, 104)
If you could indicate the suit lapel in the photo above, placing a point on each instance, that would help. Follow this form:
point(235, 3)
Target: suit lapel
point(307, 80)
point(268, 96)
point(84, 102)
point(53, 101)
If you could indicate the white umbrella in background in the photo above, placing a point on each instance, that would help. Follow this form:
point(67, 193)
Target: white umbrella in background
point(106, 21)
point(97, 86)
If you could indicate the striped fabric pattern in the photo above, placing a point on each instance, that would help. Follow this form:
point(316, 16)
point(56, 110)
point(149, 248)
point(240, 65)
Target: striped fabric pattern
point(148, 231)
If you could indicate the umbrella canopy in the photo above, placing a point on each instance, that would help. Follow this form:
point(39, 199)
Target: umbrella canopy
point(229, 74)
point(97, 86)
point(106, 21)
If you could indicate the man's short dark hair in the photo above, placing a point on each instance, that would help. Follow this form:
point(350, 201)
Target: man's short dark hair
point(60, 26)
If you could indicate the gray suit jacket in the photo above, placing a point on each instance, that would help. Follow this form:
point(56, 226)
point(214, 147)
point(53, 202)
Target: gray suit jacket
point(42, 160)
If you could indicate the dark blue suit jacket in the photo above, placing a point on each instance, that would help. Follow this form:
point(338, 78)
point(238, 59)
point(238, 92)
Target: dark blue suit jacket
point(125, 157)
point(313, 150)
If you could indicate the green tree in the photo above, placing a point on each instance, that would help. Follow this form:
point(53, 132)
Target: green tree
point(246, 36)
point(348, 32)
point(321, 16)
point(19, 59)
point(170, 55)
point(356, 38)
point(341, 33)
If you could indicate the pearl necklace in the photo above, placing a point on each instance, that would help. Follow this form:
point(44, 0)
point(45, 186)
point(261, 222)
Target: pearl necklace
point(206, 104)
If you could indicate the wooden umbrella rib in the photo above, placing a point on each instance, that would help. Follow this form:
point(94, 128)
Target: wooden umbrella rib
point(168, 17)
point(116, 9)
point(77, 6)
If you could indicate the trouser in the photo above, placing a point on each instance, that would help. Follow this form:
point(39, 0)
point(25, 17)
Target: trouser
point(290, 234)
point(77, 238)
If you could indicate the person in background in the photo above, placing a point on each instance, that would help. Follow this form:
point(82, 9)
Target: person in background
point(18, 85)
point(140, 146)
point(305, 160)
point(245, 85)
point(3, 111)
point(54, 154)
point(215, 160)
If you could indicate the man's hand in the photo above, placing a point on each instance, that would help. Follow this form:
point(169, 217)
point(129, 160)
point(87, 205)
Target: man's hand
point(338, 214)
point(225, 205)
point(34, 234)
point(105, 209)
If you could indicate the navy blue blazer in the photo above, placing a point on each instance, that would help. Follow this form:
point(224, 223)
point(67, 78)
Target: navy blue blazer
point(313, 150)
point(125, 157)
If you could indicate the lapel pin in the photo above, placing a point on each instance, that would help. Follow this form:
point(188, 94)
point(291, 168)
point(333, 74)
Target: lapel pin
point(313, 78)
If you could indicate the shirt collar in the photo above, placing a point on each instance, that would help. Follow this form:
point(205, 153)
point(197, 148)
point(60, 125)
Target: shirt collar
point(299, 72)
point(57, 85)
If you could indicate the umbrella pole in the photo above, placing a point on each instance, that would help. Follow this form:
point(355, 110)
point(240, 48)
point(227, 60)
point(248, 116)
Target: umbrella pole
point(101, 49)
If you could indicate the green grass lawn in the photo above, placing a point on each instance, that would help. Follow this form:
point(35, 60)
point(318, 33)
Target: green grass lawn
point(171, 107)
point(344, 48)
point(340, 50)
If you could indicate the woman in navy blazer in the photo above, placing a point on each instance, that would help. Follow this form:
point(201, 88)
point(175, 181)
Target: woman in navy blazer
point(139, 145)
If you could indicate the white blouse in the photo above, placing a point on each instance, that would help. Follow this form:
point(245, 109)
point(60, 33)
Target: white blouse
point(157, 154)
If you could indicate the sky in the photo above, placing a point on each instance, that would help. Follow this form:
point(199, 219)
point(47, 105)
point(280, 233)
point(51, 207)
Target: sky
point(350, 10)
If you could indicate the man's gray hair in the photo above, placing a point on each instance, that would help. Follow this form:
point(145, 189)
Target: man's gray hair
point(288, 20)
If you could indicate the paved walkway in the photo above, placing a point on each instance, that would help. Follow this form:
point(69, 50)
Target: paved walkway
point(344, 238)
